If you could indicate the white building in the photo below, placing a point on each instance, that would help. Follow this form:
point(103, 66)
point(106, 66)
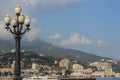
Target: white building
point(35, 66)
point(66, 63)
point(77, 74)
point(22, 65)
point(98, 74)
point(13, 50)
point(101, 65)
point(77, 67)
point(104, 66)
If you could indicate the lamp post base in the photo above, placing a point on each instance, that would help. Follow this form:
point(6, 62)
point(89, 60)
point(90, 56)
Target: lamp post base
point(17, 78)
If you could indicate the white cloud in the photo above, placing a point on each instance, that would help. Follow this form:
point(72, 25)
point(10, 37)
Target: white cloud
point(76, 39)
point(31, 2)
point(100, 44)
point(55, 36)
point(49, 3)
point(30, 36)
point(33, 33)
point(43, 6)
point(31, 8)
point(4, 34)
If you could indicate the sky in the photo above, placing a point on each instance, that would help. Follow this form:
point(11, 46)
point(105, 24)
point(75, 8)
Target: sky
point(92, 26)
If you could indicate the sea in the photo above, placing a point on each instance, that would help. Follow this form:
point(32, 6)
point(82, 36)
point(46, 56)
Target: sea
point(108, 79)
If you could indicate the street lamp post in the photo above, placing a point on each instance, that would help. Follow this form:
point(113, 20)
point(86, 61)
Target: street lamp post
point(17, 31)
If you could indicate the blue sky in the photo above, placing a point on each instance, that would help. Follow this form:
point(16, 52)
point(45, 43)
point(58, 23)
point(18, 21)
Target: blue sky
point(88, 25)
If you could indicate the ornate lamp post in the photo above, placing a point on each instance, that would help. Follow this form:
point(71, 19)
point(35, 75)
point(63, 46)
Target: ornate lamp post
point(17, 31)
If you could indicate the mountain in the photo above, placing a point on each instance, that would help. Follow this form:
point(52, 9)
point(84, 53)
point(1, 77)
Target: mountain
point(41, 47)
point(6, 44)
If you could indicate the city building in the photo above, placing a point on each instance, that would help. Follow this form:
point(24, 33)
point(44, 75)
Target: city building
point(66, 63)
point(77, 67)
point(35, 66)
point(101, 66)
point(98, 74)
point(109, 72)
